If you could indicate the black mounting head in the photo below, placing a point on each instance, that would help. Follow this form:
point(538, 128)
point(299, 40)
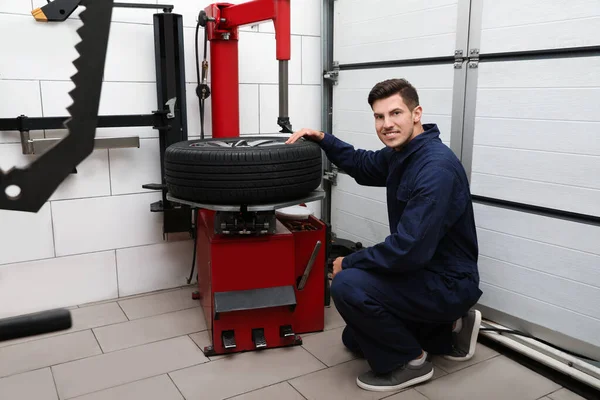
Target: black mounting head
point(56, 11)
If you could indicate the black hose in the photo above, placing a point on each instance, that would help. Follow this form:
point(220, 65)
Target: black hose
point(195, 233)
point(198, 79)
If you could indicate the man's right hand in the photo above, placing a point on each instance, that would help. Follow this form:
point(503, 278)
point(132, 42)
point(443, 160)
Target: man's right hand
point(308, 133)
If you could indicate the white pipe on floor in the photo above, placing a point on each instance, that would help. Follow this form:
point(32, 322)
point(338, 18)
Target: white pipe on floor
point(561, 366)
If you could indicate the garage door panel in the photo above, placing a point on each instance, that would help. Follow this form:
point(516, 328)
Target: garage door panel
point(568, 198)
point(541, 73)
point(520, 25)
point(558, 232)
point(537, 133)
point(563, 104)
point(405, 30)
point(566, 169)
point(350, 203)
point(360, 140)
point(361, 227)
point(556, 318)
point(353, 122)
point(524, 255)
point(555, 260)
point(352, 11)
point(422, 77)
point(557, 291)
point(545, 135)
point(346, 184)
point(434, 101)
point(363, 123)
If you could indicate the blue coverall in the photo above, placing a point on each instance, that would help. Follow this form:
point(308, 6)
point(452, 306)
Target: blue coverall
point(402, 295)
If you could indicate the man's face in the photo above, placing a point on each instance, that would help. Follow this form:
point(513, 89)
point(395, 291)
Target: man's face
point(394, 122)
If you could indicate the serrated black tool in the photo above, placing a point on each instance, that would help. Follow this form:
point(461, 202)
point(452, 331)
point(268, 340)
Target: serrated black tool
point(28, 188)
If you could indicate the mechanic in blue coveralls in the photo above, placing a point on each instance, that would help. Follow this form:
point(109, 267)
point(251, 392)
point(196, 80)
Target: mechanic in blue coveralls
point(411, 295)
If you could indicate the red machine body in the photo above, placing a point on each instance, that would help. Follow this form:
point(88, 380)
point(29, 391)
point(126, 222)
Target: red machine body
point(248, 285)
point(256, 276)
point(223, 36)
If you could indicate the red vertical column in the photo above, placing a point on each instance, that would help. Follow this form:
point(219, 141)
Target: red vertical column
point(225, 87)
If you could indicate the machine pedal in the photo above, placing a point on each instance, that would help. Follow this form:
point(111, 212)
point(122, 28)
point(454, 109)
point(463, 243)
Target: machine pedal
point(258, 337)
point(228, 338)
point(285, 331)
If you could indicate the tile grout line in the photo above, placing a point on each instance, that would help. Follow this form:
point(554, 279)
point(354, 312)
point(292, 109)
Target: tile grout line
point(301, 59)
point(117, 276)
point(53, 233)
point(97, 341)
point(294, 387)
point(53, 377)
point(316, 358)
point(109, 173)
point(174, 384)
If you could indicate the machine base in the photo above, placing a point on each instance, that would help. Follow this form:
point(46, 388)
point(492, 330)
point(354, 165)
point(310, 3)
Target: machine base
point(260, 291)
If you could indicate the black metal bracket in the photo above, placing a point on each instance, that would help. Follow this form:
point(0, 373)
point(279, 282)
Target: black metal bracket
point(170, 119)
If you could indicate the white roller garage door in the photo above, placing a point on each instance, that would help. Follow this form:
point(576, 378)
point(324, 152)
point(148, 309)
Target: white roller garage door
point(411, 39)
point(522, 110)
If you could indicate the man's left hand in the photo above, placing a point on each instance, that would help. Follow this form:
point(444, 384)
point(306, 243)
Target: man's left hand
point(337, 266)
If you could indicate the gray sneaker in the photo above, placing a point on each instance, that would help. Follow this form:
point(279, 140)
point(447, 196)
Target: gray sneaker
point(400, 378)
point(465, 341)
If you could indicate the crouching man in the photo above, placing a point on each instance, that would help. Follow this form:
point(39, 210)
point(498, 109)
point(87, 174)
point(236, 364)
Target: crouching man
point(412, 295)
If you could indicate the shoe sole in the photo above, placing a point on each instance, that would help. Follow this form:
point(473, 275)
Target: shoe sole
point(404, 385)
point(472, 344)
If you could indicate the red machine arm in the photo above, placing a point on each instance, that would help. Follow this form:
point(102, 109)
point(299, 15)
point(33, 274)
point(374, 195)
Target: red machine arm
point(262, 10)
point(223, 36)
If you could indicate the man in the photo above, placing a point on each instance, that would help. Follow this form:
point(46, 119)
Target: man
point(411, 295)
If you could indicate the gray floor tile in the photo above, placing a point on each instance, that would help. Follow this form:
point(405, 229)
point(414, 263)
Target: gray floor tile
point(497, 378)
point(202, 340)
point(482, 353)
point(151, 329)
point(410, 394)
point(156, 388)
point(244, 372)
point(46, 352)
point(565, 394)
point(281, 391)
point(328, 347)
point(333, 319)
point(34, 385)
point(83, 318)
point(159, 303)
point(337, 382)
point(125, 366)
point(133, 296)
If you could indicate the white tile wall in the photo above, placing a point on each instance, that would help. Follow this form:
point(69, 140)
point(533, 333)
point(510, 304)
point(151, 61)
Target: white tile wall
point(131, 168)
point(96, 237)
point(304, 107)
point(305, 18)
point(102, 223)
point(311, 70)
point(25, 236)
point(57, 282)
point(159, 266)
point(19, 98)
point(91, 179)
point(257, 62)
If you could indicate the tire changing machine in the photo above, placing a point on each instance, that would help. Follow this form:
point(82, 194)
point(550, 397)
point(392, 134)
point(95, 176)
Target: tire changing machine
point(262, 279)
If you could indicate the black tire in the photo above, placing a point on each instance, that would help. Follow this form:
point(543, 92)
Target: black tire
point(242, 170)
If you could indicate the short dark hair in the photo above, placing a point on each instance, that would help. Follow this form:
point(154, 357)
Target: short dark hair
point(391, 87)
